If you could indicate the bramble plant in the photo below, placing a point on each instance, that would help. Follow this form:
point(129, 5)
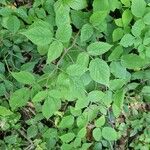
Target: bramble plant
point(74, 74)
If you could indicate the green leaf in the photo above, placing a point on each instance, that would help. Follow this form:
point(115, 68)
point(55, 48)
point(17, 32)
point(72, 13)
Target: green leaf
point(138, 7)
point(127, 40)
point(100, 5)
point(109, 134)
point(50, 106)
point(54, 51)
point(82, 133)
point(62, 14)
point(126, 17)
point(66, 138)
point(97, 134)
point(66, 122)
point(100, 121)
point(138, 27)
point(99, 71)
point(5, 112)
point(24, 77)
point(40, 96)
point(19, 98)
point(13, 24)
point(76, 70)
point(98, 18)
point(126, 2)
point(77, 4)
point(39, 33)
point(95, 96)
point(32, 131)
point(118, 70)
point(133, 61)
point(118, 102)
point(86, 32)
point(83, 59)
point(117, 34)
point(64, 33)
point(147, 19)
point(98, 48)
point(116, 53)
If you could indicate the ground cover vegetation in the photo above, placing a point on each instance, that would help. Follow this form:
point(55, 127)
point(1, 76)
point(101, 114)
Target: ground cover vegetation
point(74, 74)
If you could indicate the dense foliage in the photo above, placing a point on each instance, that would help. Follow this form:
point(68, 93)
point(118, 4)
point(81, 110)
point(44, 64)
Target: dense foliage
point(74, 74)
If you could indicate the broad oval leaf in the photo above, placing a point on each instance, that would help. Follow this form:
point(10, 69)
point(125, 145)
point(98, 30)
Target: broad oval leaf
point(138, 7)
point(19, 98)
point(39, 33)
point(54, 51)
point(109, 134)
point(133, 61)
point(98, 48)
point(50, 106)
point(24, 77)
point(99, 71)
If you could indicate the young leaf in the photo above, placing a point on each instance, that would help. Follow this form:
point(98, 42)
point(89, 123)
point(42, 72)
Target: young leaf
point(97, 134)
point(98, 48)
point(19, 98)
point(64, 33)
point(86, 32)
point(24, 77)
point(39, 33)
point(99, 71)
point(5, 112)
point(54, 51)
point(138, 5)
point(109, 134)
